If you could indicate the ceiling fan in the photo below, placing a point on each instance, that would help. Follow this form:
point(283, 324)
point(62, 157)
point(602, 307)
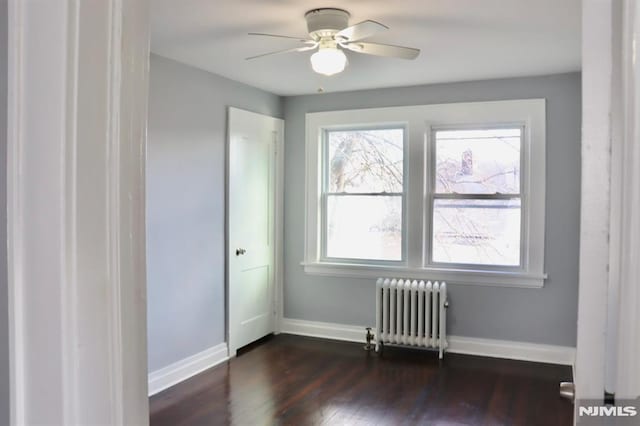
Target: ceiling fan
point(330, 33)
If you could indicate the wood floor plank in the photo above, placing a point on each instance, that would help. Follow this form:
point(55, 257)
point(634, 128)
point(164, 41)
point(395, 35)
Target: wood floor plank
point(293, 380)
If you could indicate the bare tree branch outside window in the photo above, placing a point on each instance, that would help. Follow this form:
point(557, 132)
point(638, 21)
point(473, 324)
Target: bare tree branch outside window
point(364, 194)
point(476, 202)
point(468, 229)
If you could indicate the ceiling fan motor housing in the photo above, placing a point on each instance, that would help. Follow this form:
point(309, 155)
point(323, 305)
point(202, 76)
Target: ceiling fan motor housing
point(326, 22)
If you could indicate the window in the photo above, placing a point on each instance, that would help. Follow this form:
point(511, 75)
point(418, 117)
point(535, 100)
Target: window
point(445, 192)
point(363, 194)
point(476, 205)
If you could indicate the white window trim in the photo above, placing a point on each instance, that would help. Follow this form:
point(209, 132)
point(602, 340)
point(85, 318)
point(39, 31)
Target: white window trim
point(420, 120)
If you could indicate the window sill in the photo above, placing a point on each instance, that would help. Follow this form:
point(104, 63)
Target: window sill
point(451, 276)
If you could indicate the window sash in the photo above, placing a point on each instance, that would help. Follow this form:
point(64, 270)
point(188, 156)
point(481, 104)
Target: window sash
point(480, 266)
point(325, 229)
point(477, 196)
point(325, 193)
point(368, 194)
point(433, 195)
point(431, 166)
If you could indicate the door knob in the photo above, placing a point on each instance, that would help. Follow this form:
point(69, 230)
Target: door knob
point(240, 251)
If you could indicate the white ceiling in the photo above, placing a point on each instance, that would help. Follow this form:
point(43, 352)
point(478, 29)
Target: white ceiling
point(461, 40)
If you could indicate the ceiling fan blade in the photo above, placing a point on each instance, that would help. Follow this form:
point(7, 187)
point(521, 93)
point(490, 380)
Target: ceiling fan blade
point(382, 50)
point(361, 30)
point(278, 52)
point(300, 39)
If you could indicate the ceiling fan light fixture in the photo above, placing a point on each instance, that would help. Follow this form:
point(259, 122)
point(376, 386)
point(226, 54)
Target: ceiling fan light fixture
point(329, 33)
point(329, 61)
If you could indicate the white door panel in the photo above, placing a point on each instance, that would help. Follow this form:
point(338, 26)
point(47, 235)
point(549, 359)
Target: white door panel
point(251, 225)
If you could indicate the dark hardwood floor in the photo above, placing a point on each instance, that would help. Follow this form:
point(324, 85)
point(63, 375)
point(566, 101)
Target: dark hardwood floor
point(292, 380)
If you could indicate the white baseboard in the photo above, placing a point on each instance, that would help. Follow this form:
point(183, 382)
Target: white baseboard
point(509, 349)
point(179, 371)
point(522, 351)
point(327, 330)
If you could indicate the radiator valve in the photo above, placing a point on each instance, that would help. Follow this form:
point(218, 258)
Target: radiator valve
point(369, 339)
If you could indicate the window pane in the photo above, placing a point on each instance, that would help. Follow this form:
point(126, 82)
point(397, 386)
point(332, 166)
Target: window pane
point(478, 161)
point(364, 227)
point(365, 160)
point(482, 232)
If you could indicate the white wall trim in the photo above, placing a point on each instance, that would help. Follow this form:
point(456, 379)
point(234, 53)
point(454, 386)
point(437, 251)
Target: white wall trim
point(595, 199)
point(325, 330)
point(628, 162)
point(522, 351)
point(15, 88)
point(509, 349)
point(75, 191)
point(182, 370)
point(460, 276)
point(279, 231)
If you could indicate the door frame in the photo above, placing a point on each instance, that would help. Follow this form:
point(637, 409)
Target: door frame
point(278, 290)
point(589, 376)
point(608, 338)
point(77, 115)
point(627, 124)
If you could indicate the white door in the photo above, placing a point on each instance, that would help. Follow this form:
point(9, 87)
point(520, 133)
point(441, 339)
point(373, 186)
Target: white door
point(253, 139)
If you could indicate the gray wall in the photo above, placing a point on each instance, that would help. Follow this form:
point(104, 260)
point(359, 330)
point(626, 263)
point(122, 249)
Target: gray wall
point(4, 313)
point(546, 315)
point(186, 205)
